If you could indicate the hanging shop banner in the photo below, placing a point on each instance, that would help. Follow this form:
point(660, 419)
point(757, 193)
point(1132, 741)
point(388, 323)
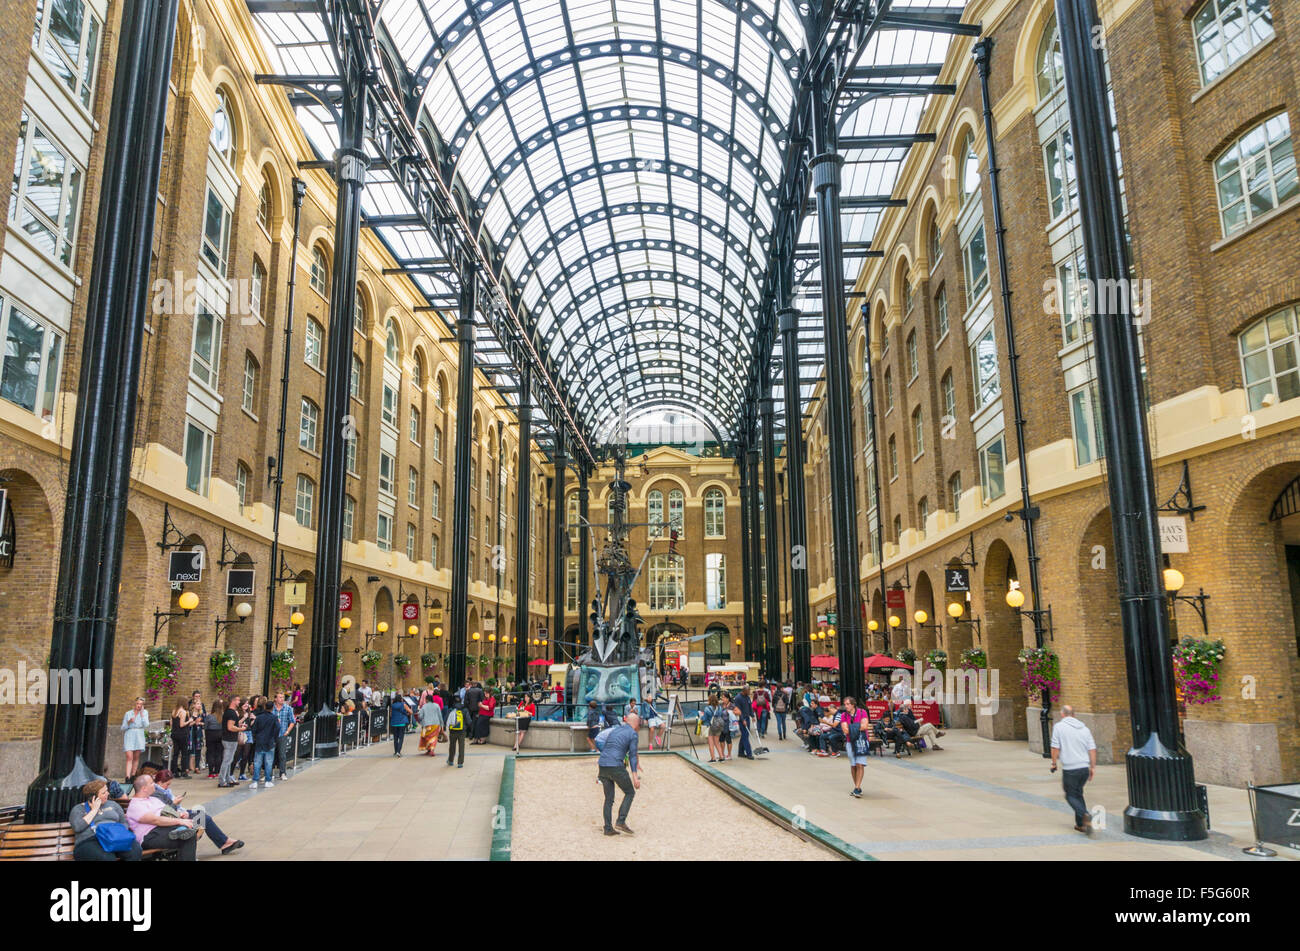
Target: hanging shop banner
point(435, 615)
point(410, 611)
point(295, 593)
point(185, 567)
point(240, 583)
point(957, 579)
point(1173, 535)
point(489, 624)
point(345, 600)
point(896, 598)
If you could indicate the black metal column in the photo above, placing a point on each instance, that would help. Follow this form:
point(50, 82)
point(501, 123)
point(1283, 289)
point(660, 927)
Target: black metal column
point(523, 520)
point(457, 645)
point(771, 549)
point(825, 166)
point(273, 566)
point(73, 739)
point(746, 575)
point(584, 554)
point(755, 556)
point(337, 423)
point(1161, 782)
point(796, 512)
point(560, 541)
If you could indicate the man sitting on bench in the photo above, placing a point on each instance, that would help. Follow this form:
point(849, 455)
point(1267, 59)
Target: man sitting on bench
point(922, 731)
point(152, 829)
point(163, 790)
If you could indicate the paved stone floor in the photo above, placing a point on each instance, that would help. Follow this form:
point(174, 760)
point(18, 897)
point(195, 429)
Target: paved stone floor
point(976, 800)
point(367, 805)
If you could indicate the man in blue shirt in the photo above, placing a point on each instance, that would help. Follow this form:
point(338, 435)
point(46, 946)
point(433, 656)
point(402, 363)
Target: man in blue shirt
point(620, 744)
point(284, 717)
point(745, 707)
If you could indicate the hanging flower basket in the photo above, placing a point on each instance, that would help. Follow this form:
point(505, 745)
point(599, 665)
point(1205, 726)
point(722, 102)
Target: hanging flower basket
point(937, 659)
point(161, 665)
point(1196, 669)
point(907, 656)
point(1042, 674)
point(401, 662)
point(370, 661)
point(222, 666)
point(429, 662)
point(974, 658)
point(282, 669)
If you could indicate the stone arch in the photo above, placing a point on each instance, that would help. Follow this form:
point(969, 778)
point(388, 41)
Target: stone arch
point(269, 165)
point(1265, 549)
point(902, 267)
point(301, 640)
point(966, 121)
point(657, 481)
point(1003, 637)
point(1024, 61)
point(877, 637)
point(1093, 670)
point(930, 207)
point(923, 638)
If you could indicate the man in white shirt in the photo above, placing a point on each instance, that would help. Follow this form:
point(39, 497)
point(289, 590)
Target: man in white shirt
point(902, 691)
point(1076, 752)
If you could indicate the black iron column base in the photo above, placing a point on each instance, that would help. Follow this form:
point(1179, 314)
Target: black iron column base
point(1162, 795)
point(326, 725)
point(51, 798)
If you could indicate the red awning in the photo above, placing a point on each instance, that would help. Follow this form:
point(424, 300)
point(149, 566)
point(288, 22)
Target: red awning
point(883, 662)
point(539, 662)
point(826, 661)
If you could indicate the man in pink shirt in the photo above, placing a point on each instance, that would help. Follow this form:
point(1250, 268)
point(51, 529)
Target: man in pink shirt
point(153, 830)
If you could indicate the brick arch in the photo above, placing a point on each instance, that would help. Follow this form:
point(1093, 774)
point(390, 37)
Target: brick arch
point(1091, 642)
point(1003, 637)
point(923, 638)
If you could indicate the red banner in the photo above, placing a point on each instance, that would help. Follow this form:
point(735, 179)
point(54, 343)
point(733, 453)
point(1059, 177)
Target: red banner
point(924, 712)
point(410, 611)
point(345, 600)
point(896, 598)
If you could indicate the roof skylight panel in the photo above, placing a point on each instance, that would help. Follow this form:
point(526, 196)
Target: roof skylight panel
point(407, 26)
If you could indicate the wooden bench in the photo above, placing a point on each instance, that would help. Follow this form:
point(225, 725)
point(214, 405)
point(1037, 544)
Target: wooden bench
point(52, 842)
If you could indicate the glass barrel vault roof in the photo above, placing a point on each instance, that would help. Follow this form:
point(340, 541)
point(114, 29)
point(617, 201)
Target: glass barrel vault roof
point(625, 159)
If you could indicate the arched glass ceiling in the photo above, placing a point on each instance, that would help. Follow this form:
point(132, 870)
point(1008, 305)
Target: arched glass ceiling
point(625, 158)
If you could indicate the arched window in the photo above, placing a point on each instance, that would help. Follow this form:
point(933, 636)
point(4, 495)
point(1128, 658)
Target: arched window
point(571, 517)
point(1048, 67)
point(435, 500)
point(1256, 173)
point(654, 512)
point(715, 514)
point(677, 511)
point(417, 378)
point(667, 582)
point(390, 344)
point(320, 273)
point(264, 206)
point(1226, 30)
point(970, 167)
point(1270, 355)
point(935, 246)
point(358, 373)
point(359, 312)
point(223, 128)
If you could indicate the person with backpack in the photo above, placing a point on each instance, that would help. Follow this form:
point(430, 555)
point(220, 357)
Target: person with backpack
point(780, 707)
point(457, 722)
point(857, 743)
point(399, 718)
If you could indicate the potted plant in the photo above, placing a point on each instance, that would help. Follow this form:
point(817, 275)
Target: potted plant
point(222, 666)
point(370, 661)
point(161, 665)
point(282, 669)
point(1196, 669)
point(428, 663)
point(938, 659)
point(974, 658)
point(1042, 674)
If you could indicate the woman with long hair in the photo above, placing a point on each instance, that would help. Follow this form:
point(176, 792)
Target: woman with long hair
point(181, 724)
point(717, 724)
